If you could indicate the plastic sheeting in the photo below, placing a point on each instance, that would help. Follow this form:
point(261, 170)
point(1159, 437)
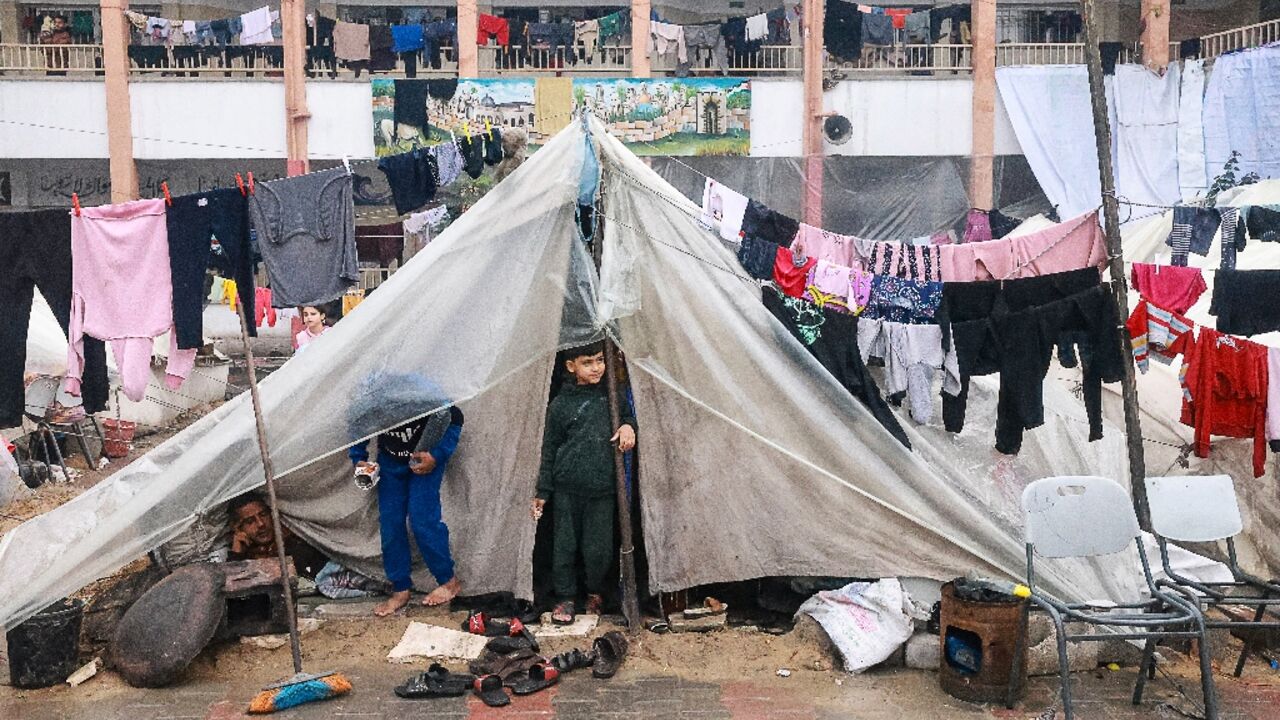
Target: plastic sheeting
point(1242, 112)
point(872, 197)
point(480, 312)
point(758, 463)
point(755, 461)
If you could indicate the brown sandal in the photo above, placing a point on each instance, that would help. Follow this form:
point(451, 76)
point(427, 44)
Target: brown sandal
point(595, 604)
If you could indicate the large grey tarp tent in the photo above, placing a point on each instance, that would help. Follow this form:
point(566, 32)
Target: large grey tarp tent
point(754, 460)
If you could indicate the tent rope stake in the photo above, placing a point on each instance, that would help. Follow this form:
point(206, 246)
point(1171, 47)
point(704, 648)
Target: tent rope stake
point(1115, 252)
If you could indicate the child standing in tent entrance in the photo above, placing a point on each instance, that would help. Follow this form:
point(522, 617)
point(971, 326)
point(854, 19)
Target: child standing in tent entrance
point(577, 476)
point(409, 488)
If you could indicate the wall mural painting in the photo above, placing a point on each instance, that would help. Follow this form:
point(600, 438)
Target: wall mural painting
point(679, 116)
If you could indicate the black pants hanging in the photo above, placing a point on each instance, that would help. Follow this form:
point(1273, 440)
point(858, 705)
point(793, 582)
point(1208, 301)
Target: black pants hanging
point(35, 252)
point(207, 230)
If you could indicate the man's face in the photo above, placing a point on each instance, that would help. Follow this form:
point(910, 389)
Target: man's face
point(254, 522)
point(588, 369)
point(60, 24)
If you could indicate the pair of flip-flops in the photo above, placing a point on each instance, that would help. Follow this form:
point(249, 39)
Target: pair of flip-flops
point(477, 623)
point(492, 690)
point(437, 681)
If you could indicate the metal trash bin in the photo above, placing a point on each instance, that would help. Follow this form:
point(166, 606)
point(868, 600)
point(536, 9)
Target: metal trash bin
point(979, 641)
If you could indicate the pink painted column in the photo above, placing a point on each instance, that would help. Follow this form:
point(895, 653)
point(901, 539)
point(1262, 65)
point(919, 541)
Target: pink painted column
point(468, 44)
point(982, 166)
point(115, 70)
point(640, 39)
point(293, 20)
point(1155, 34)
point(814, 59)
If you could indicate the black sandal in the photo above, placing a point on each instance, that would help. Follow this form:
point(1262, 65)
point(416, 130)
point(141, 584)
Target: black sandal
point(610, 651)
point(573, 660)
point(489, 690)
point(540, 677)
point(437, 681)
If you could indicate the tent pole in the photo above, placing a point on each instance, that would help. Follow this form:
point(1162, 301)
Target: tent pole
point(626, 553)
point(295, 645)
point(1115, 251)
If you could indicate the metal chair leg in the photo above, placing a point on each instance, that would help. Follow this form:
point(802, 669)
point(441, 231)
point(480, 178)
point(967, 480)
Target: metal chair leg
point(1064, 666)
point(1206, 673)
point(1148, 663)
point(1248, 644)
point(48, 440)
point(84, 444)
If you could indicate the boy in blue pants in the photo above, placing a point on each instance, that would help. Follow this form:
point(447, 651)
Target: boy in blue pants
point(409, 487)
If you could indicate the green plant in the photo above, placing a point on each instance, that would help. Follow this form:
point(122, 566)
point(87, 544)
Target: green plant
point(1227, 178)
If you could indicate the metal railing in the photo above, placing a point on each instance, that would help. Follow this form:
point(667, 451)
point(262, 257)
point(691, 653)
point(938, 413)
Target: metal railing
point(908, 58)
point(266, 61)
point(1211, 46)
point(521, 60)
point(59, 59)
point(768, 60)
point(1053, 54)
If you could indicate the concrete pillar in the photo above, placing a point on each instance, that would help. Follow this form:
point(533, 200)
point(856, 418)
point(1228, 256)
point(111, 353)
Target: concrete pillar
point(640, 39)
point(293, 22)
point(468, 47)
point(115, 67)
point(982, 167)
point(10, 27)
point(1155, 34)
point(814, 54)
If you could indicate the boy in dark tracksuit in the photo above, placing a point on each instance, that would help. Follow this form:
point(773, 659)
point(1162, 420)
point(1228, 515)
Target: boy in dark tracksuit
point(409, 487)
point(578, 474)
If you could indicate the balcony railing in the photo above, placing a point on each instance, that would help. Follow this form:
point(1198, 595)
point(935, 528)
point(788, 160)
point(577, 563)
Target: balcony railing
point(520, 60)
point(769, 61)
point(1211, 46)
point(59, 59)
point(907, 58)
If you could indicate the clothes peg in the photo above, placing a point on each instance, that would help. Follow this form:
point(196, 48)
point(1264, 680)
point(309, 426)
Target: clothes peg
point(240, 184)
point(488, 129)
point(75, 203)
point(251, 190)
point(346, 163)
point(466, 129)
point(168, 199)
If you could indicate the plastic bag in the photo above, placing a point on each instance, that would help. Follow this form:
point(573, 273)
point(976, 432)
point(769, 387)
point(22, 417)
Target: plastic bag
point(867, 621)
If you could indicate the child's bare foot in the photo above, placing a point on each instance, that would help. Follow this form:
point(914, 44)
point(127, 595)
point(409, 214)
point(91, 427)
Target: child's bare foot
point(392, 604)
point(443, 594)
point(595, 604)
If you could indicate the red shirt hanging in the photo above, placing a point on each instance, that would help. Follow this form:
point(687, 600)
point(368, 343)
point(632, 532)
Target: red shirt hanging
point(791, 278)
point(1227, 381)
point(1171, 287)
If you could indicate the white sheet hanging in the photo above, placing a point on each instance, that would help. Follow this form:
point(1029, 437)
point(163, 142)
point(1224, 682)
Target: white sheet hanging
point(1242, 112)
point(1051, 114)
point(256, 27)
point(1191, 160)
point(1146, 137)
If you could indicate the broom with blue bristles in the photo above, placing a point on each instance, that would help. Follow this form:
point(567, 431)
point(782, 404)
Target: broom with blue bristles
point(301, 687)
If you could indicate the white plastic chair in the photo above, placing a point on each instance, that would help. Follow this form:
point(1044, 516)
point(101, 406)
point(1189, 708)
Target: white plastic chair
point(1204, 509)
point(1089, 516)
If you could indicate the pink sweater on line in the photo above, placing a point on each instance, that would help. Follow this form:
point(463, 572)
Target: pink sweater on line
point(122, 292)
